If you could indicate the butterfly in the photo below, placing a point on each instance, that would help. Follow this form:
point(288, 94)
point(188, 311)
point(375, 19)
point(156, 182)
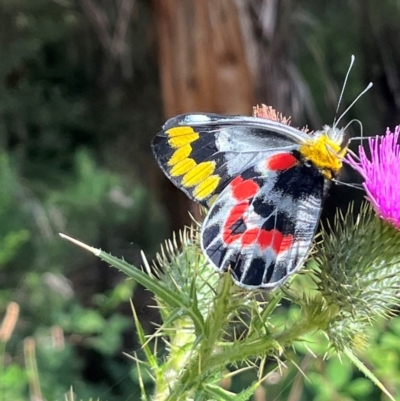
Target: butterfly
point(264, 183)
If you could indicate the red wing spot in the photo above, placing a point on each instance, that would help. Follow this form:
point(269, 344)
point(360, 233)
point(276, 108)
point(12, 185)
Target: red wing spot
point(235, 182)
point(264, 239)
point(236, 213)
point(250, 236)
point(242, 190)
point(267, 239)
point(281, 161)
point(285, 244)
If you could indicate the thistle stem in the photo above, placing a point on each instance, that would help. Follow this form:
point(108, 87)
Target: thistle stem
point(261, 346)
point(198, 365)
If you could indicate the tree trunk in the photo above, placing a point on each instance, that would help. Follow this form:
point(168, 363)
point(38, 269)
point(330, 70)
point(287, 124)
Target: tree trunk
point(203, 67)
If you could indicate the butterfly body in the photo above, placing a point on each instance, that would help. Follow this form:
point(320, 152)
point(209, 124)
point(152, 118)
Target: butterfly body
point(264, 182)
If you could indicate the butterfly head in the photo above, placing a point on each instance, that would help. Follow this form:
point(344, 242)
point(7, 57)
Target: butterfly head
point(324, 150)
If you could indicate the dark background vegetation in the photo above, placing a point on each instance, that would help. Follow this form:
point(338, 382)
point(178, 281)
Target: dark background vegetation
point(84, 86)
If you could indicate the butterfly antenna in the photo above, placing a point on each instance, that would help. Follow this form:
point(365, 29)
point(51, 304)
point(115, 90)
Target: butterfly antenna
point(343, 87)
point(369, 86)
point(361, 137)
point(347, 184)
point(355, 120)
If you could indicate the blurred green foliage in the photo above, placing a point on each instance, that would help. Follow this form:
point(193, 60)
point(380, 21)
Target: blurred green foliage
point(54, 107)
point(335, 378)
point(93, 333)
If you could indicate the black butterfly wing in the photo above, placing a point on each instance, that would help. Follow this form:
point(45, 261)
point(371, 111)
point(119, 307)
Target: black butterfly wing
point(202, 153)
point(262, 225)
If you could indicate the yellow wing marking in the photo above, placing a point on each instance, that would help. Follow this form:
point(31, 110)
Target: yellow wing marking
point(180, 154)
point(206, 187)
point(197, 175)
point(181, 136)
point(182, 167)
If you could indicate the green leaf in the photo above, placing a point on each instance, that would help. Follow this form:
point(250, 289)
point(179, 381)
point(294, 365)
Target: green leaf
point(320, 385)
point(360, 387)
point(151, 359)
point(391, 341)
point(339, 372)
point(110, 339)
point(247, 393)
point(218, 393)
point(87, 321)
point(10, 244)
point(171, 298)
point(13, 377)
point(367, 372)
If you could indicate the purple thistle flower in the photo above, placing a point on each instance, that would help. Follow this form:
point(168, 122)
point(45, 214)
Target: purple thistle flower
point(381, 174)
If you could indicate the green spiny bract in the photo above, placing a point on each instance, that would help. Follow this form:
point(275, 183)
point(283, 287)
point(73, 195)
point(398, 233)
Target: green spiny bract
point(359, 273)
